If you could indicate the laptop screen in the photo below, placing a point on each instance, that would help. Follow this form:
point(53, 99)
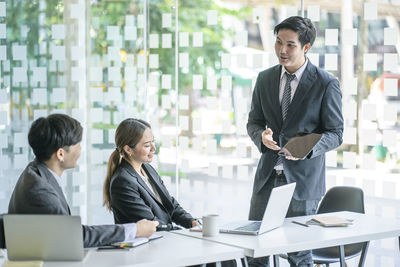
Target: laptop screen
point(43, 237)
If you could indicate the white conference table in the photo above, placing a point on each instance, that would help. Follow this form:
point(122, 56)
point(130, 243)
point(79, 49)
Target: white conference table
point(293, 237)
point(171, 250)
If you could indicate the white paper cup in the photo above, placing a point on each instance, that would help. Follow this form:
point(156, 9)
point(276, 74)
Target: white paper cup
point(210, 225)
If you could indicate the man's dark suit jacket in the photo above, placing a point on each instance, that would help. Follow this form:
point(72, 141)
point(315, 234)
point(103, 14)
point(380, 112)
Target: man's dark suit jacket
point(132, 200)
point(38, 192)
point(316, 107)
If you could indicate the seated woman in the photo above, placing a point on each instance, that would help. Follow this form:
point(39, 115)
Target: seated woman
point(55, 141)
point(133, 190)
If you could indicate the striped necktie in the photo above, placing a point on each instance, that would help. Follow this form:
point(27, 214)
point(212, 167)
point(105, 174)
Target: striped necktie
point(286, 99)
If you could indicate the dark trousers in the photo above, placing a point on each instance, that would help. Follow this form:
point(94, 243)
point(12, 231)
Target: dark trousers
point(297, 208)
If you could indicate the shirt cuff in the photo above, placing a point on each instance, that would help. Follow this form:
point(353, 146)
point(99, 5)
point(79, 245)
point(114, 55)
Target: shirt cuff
point(130, 231)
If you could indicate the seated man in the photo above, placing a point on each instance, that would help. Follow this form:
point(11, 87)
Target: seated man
point(55, 141)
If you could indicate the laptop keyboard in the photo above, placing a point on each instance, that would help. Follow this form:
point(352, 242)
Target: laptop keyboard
point(254, 226)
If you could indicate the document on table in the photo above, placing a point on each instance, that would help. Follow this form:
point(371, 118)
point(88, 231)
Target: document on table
point(330, 221)
point(138, 241)
point(22, 264)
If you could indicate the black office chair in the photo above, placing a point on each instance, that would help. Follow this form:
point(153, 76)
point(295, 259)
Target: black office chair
point(341, 198)
point(2, 238)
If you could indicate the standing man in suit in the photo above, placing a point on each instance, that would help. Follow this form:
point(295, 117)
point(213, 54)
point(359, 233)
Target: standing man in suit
point(55, 141)
point(294, 96)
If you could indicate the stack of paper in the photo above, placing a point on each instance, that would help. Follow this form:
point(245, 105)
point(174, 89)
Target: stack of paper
point(330, 221)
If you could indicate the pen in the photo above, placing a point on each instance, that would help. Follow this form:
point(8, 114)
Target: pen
point(198, 221)
point(299, 223)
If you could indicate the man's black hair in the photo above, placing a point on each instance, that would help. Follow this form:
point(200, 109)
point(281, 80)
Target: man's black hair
point(303, 26)
point(46, 135)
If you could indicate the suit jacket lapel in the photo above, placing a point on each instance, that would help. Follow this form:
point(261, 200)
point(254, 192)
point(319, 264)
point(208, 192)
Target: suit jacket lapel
point(44, 172)
point(132, 171)
point(276, 106)
point(305, 85)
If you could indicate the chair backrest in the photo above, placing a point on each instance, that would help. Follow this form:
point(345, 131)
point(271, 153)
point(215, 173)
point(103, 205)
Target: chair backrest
point(342, 198)
point(2, 238)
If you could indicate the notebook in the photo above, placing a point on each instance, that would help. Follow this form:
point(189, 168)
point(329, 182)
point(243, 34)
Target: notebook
point(43, 237)
point(300, 145)
point(274, 215)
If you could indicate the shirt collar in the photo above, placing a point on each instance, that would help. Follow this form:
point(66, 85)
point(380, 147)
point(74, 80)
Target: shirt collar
point(299, 72)
point(55, 175)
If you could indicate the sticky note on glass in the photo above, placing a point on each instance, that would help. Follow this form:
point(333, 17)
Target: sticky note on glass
point(257, 61)
point(258, 15)
point(183, 102)
point(130, 20)
point(349, 37)
point(212, 146)
point(166, 20)
point(19, 52)
point(196, 144)
point(59, 95)
point(226, 82)
point(331, 62)
point(96, 74)
point(183, 39)
point(314, 58)
point(213, 169)
point(313, 13)
point(3, 118)
point(390, 112)
point(58, 31)
point(225, 61)
point(153, 40)
point(331, 36)
point(39, 74)
point(291, 11)
point(369, 161)
point(370, 62)
point(3, 96)
point(197, 39)
point(141, 61)
point(113, 53)
point(114, 74)
point(184, 123)
point(113, 32)
point(390, 87)
point(20, 74)
point(370, 11)
point(183, 60)
point(166, 102)
point(368, 137)
point(369, 111)
point(184, 142)
point(58, 52)
point(96, 94)
point(140, 21)
point(227, 171)
point(390, 61)
point(350, 136)
point(97, 136)
point(241, 38)
point(350, 86)
point(153, 61)
point(389, 138)
point(241, 60)
point(3, 52)
point(197, 82)
point(96, 114)
point(20, 139)
point(390, 36)
point(349, 160)
point(154, 80)
point(211, 82)
point(130, 33)
point(2, 9)
point(130, 74)
point(166, 81)
point(3, 31)
point(331, 158)
point(212, 17)
point(39, 96)
point(350, 110)
point(166, 40)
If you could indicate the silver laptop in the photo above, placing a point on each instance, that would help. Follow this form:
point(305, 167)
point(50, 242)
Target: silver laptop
point(274, 215)
point(43, 237)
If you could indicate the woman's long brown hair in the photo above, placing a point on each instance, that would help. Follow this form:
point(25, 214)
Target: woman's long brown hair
point(129, 132)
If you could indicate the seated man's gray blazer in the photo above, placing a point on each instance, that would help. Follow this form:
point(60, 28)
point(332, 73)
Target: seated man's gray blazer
point(38, 192)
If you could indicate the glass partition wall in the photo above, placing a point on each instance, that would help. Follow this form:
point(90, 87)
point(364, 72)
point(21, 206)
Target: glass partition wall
point(189, 67)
